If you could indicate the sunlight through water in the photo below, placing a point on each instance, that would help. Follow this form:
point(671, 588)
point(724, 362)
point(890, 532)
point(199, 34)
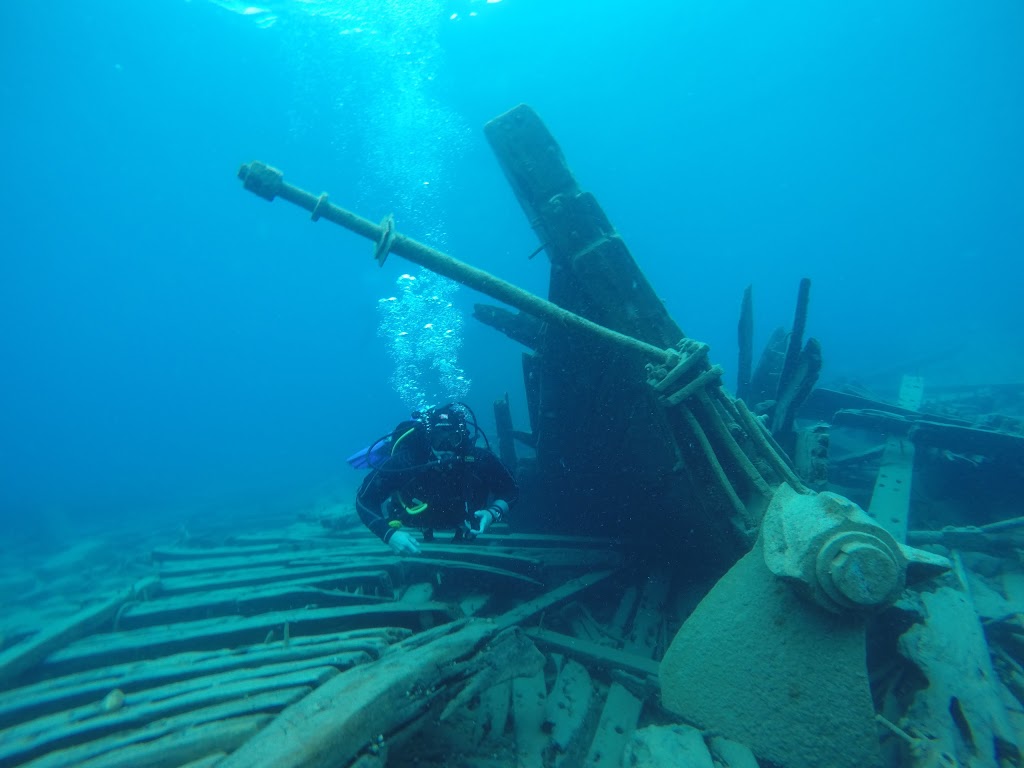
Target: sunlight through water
point(377, 60)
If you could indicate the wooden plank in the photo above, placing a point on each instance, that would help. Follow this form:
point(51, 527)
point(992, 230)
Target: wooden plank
point(484, 542)
point(504, 559)
point(52, 694)
point(16, 660)
point(75, 705)
point(258, 711)
point(529, 702)
point(63, 729)
point(272, 575)
point(193, 553)
point(621, 711)
point(325, 592)
point(332, 725)
point(527, 559)
point(923, 431)
point(523, 612)
point(168, 752)
point(890, 499)
point(600, 656)
point(250, 577)
point(568, 709)
point(191, 567)
point(615, 727)
point(490, 716)
point(485, 554)
point(216, 633)
point(585, 559)
point(960, 708)
point(824, 404)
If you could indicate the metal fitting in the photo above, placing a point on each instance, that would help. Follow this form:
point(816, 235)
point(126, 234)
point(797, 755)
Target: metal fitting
point(858, 569)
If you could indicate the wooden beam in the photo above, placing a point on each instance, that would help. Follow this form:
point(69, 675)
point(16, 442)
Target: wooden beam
point(890, 499)
point(219, 632)
point(54, 694)
point(600, 656)
point(19, 658)
point(572, 587)
point(339, 720)
point(622, 708)
point(92, 721)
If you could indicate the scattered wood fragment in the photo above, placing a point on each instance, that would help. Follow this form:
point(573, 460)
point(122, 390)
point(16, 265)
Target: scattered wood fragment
point(568, 708)
point(600, 656)
point(16, 660)
point(152, 642)
point(58, 694)
point(960, 711)
point(521, 613)
point(621, 711)
point(191, 553)
point(357, 711)
point(529, 704)
point(170, 743)
point(91, 722)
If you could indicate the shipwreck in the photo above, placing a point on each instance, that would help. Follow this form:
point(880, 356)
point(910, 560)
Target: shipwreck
point(795, 593)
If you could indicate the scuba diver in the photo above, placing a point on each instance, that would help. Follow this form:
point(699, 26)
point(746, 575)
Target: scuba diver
point(429, 474)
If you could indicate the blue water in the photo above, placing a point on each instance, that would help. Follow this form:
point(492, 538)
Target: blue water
point(172, 344)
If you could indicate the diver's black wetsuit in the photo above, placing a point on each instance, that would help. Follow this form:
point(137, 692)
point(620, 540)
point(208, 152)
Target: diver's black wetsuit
point(452, 489)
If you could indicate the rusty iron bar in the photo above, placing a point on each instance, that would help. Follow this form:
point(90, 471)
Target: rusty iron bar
point(268, 183)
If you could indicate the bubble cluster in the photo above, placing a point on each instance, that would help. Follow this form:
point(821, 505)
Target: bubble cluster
point(423, 330)
point(363, 74)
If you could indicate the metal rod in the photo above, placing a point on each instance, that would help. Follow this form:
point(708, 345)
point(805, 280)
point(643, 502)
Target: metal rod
point(268, 183)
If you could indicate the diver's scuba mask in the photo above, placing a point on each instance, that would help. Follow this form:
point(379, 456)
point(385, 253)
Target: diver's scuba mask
point(447, 433)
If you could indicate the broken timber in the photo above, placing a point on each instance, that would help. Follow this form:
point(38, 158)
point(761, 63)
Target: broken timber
point(19, 658)
point(890, 500)
point(363, 709)
point(242, 633)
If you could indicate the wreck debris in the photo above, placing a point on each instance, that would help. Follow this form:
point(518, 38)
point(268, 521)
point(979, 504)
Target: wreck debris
point(568, 707)
point(668, 746)
point(706, 452)
point(21, 657)
point(959, 712)
point(529, 698)
point(621, 712)
point(329, 727)
point(1002, 538)
point(176, 703)
point(358, 651)
point(890, 500)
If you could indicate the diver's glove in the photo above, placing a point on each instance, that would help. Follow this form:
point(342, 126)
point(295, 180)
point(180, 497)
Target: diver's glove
point(490, 516)
point(403, 544)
